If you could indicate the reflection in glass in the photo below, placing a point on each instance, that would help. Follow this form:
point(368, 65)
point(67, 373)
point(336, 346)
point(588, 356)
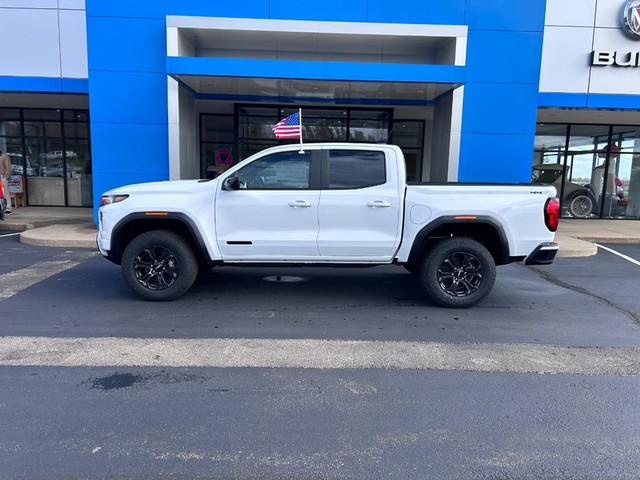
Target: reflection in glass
point(627, 138)
point(256, 126)
point(42, 129)
point(10, 127)
point(43, 114)
point(217, 144)
point(588, 137)
point(217, 128)
point(250, 148)
point(46, 185)
point(81, 116)
point(409, 136)
point(632, 187)
point(372, 131)
point(218, 158)
point(605, 180)
point(598, 175)
point(78, 173)
point(282, 171)
point(549, 145)
point(316, 129)
point(76, 130)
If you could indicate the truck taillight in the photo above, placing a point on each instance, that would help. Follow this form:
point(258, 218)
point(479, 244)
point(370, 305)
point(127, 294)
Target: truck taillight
point(552, 213)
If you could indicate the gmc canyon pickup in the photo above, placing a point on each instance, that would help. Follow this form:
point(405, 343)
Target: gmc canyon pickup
point(331, 204)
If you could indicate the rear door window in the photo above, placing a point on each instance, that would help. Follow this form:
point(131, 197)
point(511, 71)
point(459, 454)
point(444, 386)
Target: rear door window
point(351, 169)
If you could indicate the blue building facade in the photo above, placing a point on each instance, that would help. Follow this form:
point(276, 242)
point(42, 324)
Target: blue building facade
point(471, 90)
point(129, 66)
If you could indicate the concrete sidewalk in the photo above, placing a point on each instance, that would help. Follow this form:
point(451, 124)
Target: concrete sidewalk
point(53, 226)
point(74, 227)
point(577, 238)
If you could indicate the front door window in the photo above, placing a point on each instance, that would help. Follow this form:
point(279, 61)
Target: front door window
point(281, 171)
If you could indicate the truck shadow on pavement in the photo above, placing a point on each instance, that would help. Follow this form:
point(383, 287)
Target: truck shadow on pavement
point(312, 286)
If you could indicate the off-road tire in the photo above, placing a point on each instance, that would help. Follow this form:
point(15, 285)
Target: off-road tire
point(159, 265)
point(458, 272)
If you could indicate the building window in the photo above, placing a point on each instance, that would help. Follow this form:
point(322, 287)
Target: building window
point(217, 144)
point(227, 139)
point(409, 136)
point(50, 148)
point(595, 168)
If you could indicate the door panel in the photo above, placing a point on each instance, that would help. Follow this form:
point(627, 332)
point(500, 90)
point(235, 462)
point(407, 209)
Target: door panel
point(360, 209)
point(274, 213)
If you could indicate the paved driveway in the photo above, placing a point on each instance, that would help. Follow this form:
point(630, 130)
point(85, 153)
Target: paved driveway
point(344, 373)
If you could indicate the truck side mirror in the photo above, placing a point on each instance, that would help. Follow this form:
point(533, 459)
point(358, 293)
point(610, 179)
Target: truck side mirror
point(231, 183)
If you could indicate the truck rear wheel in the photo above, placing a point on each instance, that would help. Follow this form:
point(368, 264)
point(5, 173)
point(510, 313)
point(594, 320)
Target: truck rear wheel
point(159, 265)
point(458, 272)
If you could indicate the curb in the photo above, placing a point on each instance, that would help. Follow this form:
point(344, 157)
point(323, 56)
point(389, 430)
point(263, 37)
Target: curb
point(20, 227)
point(72, 236)
point(573, 247)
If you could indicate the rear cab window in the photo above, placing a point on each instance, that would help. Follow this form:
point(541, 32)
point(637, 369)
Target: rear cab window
point(353, 169)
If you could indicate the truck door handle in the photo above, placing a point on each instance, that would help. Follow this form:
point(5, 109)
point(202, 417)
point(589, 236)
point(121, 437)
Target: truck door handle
point(300, 204)
point(378, 204)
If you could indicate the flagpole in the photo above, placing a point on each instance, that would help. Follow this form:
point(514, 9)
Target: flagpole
point(300, 117)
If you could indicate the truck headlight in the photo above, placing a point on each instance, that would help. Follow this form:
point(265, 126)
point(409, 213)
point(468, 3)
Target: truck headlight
point(107, 199)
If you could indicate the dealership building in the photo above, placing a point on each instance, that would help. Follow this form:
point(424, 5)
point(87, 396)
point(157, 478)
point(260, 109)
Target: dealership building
point(100, 94)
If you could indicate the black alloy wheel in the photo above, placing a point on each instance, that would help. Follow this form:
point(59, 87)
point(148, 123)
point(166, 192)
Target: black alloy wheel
point(156, 267)
point(159, 265)
point(458, 272)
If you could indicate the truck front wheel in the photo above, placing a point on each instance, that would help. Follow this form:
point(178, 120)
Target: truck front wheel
point(458, 272)
point(159, 265)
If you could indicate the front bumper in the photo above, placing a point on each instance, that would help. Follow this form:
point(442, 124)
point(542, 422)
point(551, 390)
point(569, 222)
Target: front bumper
point(543, 254)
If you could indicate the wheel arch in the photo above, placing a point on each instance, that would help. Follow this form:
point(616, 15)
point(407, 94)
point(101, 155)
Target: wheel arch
point(134, 224)
point(483, 229)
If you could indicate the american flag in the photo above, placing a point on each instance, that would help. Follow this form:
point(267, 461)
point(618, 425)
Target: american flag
point(288, 127)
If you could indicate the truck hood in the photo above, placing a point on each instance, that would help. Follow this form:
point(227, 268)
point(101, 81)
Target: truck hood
point(167, 187)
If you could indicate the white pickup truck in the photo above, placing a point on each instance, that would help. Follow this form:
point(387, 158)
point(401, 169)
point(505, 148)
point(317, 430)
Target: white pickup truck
point(331, 204)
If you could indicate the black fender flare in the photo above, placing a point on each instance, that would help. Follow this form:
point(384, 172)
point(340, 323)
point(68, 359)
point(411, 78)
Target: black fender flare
point(115, 253)
point(419, 241)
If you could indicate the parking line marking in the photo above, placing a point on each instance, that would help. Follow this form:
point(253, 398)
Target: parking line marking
point(18, 280)
point(10, 234)
point(318, 354)
point(621, 255)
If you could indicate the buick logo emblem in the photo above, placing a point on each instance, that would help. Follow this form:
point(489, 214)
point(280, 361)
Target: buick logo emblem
point(631, 19)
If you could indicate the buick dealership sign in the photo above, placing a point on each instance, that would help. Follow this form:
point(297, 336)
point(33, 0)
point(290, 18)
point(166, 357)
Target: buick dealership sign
point(630, 26)
point(602, 58)
point(631, 19)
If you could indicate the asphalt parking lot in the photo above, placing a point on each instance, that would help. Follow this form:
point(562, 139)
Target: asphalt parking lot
point(576, 301)
point(251, 376)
